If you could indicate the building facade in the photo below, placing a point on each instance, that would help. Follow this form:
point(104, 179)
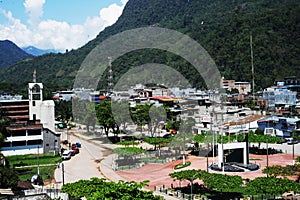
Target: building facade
point(31, 128)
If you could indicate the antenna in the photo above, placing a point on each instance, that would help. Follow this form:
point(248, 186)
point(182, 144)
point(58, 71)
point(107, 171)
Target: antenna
point(252, 67)
point(110, 75)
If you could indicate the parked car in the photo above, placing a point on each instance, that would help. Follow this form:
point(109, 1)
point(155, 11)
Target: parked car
point(66, 155)
point(75, 148)
point(78, 144)
point(72, 152)
point(291, 141)
point(167, 135)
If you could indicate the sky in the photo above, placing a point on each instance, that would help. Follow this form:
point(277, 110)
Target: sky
point(56, 24)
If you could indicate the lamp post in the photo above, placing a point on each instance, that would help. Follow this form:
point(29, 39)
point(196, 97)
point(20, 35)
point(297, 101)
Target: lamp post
point(293, 153)
point(267, 159)
point(38, 159)
point(211, 131)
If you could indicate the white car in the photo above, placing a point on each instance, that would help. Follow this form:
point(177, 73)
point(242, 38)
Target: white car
point(66, 155)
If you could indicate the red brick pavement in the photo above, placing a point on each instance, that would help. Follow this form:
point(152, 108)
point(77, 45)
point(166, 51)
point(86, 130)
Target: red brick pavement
point(158, 174)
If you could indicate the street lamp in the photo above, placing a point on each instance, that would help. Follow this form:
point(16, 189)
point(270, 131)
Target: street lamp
point(267, 159)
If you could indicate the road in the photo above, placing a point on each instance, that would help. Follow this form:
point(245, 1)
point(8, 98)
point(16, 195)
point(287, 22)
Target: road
point(81, 166)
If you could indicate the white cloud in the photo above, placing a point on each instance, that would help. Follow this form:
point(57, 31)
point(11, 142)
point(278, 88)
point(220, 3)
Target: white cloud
point(35, 10)
point(111, 14)
point(59, 35)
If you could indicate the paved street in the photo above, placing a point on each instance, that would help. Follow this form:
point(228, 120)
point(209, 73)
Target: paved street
point(83, 165)
point(86, 164)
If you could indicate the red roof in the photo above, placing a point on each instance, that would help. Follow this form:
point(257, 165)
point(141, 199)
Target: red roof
point(164, 98)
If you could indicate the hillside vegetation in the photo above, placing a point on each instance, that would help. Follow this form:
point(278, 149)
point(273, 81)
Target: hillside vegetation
point(10, 53)
point(222, 27)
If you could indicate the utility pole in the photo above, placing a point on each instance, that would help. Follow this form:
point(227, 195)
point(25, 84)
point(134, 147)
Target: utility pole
point(38, 159)
point(63, 173)
point(293, 152)
point(267, 159)
point(213, 142)
point(252, 67)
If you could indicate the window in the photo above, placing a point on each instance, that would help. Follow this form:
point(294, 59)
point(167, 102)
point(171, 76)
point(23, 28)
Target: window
point(18, 143)
point(34, 132)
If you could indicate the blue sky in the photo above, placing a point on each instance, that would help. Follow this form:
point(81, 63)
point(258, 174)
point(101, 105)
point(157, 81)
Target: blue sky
point(58, 24)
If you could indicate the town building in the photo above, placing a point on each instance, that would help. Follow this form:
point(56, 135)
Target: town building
point(278, 126)
point(31, 126)
point(279, 96)
point(242, 87)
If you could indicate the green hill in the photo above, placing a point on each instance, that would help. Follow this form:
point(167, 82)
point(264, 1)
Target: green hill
point(222, 27)
point(10, 53)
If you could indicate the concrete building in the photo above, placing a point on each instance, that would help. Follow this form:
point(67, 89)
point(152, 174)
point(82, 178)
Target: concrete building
point(31, 128)
point(242, 87)
point(278, 96)
point(278, 126)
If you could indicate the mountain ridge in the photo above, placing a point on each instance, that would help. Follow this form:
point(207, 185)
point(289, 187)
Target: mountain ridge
point(10, 53)
point(223, 28)
point(36, 51)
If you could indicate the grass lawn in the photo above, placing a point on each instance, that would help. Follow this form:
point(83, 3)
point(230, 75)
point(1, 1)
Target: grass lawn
point(29, 164)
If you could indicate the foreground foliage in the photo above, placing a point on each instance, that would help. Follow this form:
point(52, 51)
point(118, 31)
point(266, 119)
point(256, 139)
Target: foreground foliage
point(271, 186)
point(96, 188)
point(227, 183)
point(277, 170)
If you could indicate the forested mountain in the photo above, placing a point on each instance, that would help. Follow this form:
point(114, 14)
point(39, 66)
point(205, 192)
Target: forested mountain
point(10, 53)
point(222, 27)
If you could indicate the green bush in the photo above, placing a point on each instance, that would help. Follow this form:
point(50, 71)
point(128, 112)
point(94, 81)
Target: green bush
point(128, 151)
point(181, 165)
point(127, 143)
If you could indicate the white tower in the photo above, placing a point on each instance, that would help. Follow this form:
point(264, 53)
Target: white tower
point(39, 109)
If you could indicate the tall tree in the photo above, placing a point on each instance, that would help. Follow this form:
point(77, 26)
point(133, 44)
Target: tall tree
point(63, 110)
point(105, 117)
point(85, 113)
point(121, 113)
point(157, 116)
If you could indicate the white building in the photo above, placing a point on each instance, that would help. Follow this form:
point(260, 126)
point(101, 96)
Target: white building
point(31, 129)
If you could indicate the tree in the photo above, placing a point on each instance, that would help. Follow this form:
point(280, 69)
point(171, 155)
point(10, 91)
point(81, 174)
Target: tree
point(189, 175)
point(63, 109)
point(271, 186)
point(223, 182)
point(157, 115)
point(157, 141)
point(105, 117)
point(122, 114)
point(140, 115)
point(277, 170)
point(96, 188)
point(8, 177)
point(185, 135)
point(85, 113)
